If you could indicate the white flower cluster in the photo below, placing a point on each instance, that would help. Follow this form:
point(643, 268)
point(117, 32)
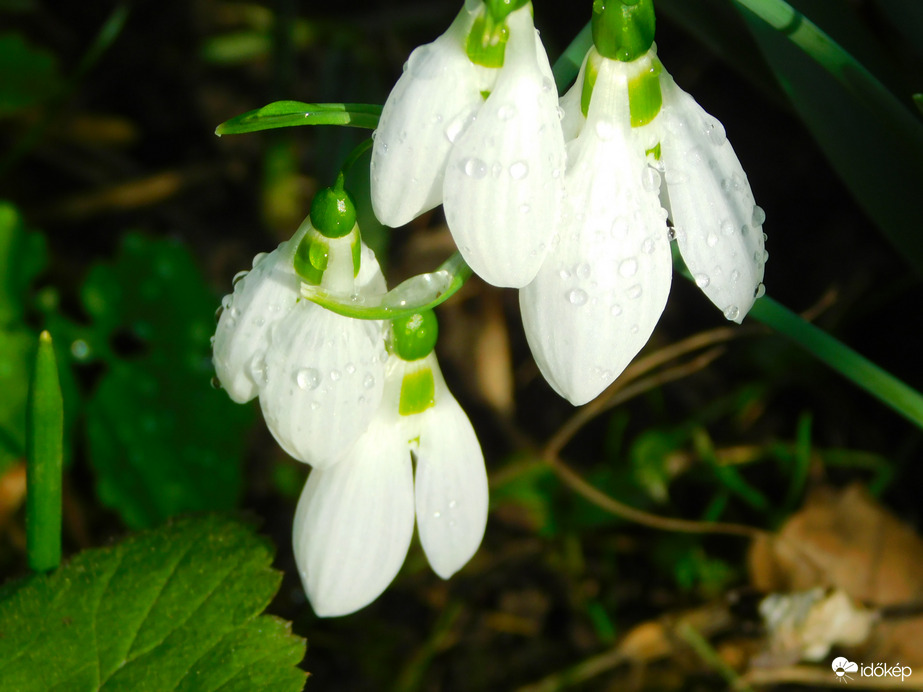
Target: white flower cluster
point(336, 394)
point(570, 200)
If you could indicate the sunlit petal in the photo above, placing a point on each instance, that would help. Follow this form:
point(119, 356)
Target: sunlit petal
point(354, 523)
point(432, 102)
point(451, 483)
point(504, 177)
point(718, 225)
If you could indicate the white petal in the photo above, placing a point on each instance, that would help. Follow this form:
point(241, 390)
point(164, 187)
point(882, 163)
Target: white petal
point(718, 225)
point(260, 299)
point(600, 293)
point(354, 523)
point(451, 482)
point(322, 380)
point(573, 119)
point(434, 99)
point(503, 180)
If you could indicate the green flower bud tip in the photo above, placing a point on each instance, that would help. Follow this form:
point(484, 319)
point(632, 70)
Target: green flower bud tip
point(414, 337)
point(623, 29)
point(500, 9)
point(333, 212)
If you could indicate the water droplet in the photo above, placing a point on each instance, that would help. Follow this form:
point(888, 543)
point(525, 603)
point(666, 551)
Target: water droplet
point(634, 329)
point(274, 307)
point(259, 321)
point(335, 375)
point(619, 227)
point(732, 312)
point(702, 280)
point(369, 381)
point(307, 378)
point(715, 133)
point(583, 271)
point(211, 340)
point(564, 274)
point(452, 504)
point(635, 291)
point(711, 240)
point(437, 118)
point(577, 296)
point(560, 113)
point(258, 258)
point(507, 112)
point(496, 170)
point(215, 382)
point(735, 276)
point(759, 216)
point(436, 515)
point(648, 246)
point(226, 302)
point(519, 170)
point(765, 256)
point(728, 227)
point(315, 405)
point(760, 290)
point(218, 312)
point(615, 310)
point(671, 234)
point(524, 209)
point(474, 168)
point(350, 369)
point(650, 180)
point(628, 267)
point(547, 85)
point(605, 130)
point(258, 370)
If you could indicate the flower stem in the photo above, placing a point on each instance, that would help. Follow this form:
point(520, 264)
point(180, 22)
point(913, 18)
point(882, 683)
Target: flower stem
point(876, 381)
point(44, 453)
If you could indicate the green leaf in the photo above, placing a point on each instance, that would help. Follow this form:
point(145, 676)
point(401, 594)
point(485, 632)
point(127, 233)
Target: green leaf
point(173, 609)
point(873, 139)
point(28, 75)
point(161, 440)
point(23, 256)
point(291, 113)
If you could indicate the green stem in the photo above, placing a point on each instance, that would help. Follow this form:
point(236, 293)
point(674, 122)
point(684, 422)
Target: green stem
point(873, 379)
point(354, 155)
point(44, 454)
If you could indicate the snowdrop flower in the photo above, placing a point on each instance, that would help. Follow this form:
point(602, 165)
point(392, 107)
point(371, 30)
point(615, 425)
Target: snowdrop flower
point(473, 123)
point(354, 521)
point(602, 289)
point(319, 376)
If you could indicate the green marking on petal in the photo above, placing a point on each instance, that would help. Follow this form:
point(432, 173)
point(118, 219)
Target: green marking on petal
point(589, 81)
point(644, 95)
point(654, 151)
point(311, 257)
point(485, 94)
point(356, 247)
point(418, 392)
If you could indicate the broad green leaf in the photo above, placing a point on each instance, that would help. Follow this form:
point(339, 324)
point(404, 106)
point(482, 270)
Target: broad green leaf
point(173, 609)
point(290, 113)
point(28, 75)
point(161, 440)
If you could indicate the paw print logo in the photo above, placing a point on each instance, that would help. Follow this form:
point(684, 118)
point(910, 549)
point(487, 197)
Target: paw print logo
point(841, 666)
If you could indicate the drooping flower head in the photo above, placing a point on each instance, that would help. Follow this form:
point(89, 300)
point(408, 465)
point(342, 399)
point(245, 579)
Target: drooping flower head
point(639, 150)
point(473, 124)
point(354, 521)
point(319, 376)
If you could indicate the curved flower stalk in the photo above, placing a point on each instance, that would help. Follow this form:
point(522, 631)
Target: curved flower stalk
point(473, 123)
point(603, 287)
point(319, 376)
point(354, 521)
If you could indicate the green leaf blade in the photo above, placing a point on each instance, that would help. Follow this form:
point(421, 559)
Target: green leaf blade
point(294, 113)
point(156, 612)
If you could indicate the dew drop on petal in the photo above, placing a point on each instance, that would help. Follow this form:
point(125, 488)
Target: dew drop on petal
point(671, 234)
point(735, 276)
point(760, 290)
point(369, 381)
point(732, 312)
point(634, 329)
point(577, 296)
point(258, 258)
point(238, 277)
point(628, 267)
point(648, 246)
point(564, 274)
point(605, 130)
point(474, 168)
point(635, 291)
point(258, 370)
point(702, 280)
point(524, 209)
point(615, 310)
point(583, 271)
point(215, 383)
point(350, 369)
point(711, 240)
point(650, 180)
point(335, 375)
point(519, 170)
point(619, 227)
point(307, 378)
point(727, 227)
point(759, 216)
